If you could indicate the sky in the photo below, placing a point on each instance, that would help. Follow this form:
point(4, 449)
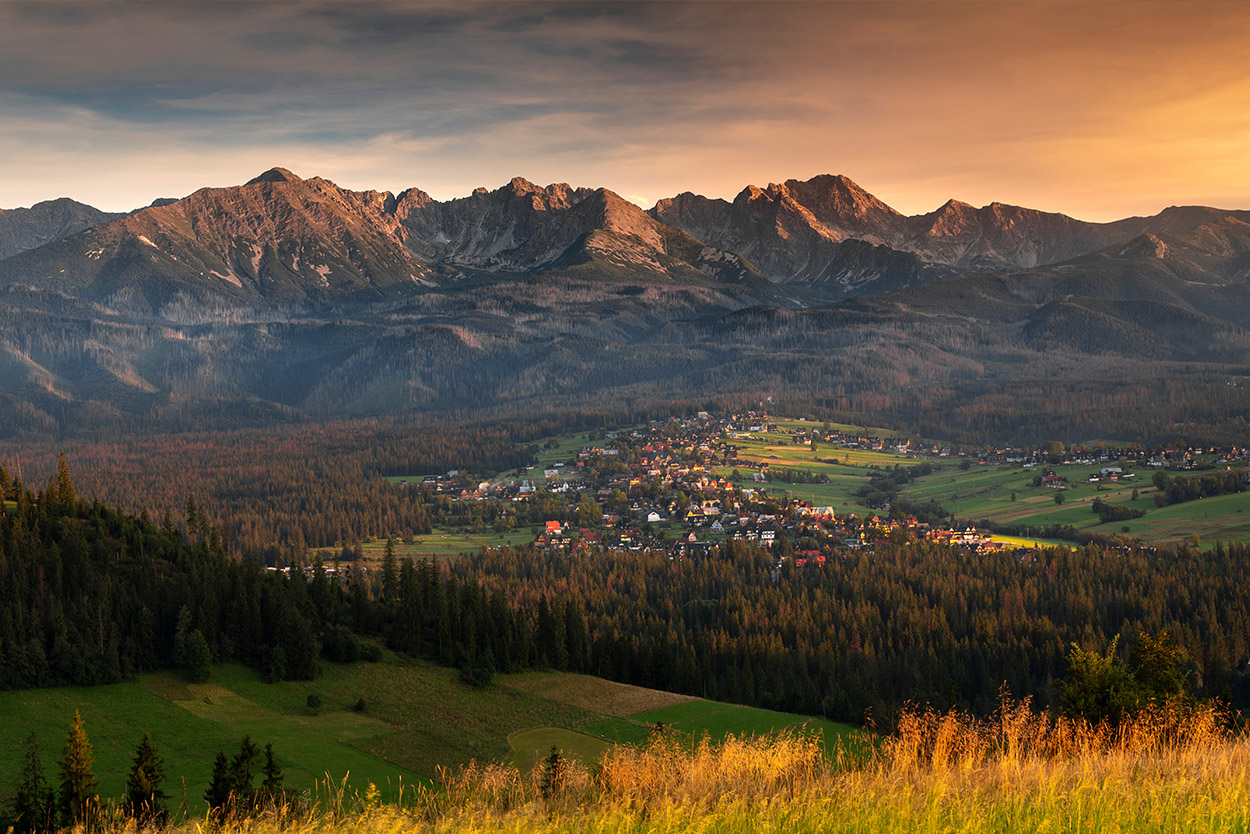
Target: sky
point(1100, 109)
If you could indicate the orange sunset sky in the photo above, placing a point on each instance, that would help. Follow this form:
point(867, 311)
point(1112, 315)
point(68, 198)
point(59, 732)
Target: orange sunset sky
point(1097, 109)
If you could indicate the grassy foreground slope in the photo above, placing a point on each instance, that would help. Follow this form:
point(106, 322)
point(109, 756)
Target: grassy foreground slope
point(1017, 771)
point(416, 719)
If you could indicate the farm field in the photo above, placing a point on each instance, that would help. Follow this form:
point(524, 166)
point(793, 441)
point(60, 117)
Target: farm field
point(438, 544)
point(189, 723)
point(846, 469)
point(778, 450)
point(808, 425)
point(530, 747)
point(984, 492)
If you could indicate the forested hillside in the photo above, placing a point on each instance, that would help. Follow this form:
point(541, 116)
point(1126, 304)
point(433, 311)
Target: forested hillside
point(91, 595)
point(912, 621)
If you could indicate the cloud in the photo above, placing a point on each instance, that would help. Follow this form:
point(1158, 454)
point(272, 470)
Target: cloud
point(1088, 108)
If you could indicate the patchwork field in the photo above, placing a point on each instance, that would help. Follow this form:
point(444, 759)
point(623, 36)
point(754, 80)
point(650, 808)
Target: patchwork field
point(1005, 495)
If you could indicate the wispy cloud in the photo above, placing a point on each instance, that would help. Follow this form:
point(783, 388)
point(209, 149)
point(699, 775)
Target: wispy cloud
point(1093, 108)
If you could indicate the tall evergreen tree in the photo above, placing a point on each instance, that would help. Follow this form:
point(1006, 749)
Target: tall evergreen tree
point(145, 801)
point(79, 799)
point(66, 495)
point(241, 769)
point(272, 786)
point(390, 574)
point(199, 658)
point(34, 804)
point(218, 793)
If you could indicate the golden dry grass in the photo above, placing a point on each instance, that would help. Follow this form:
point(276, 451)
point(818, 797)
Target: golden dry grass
point(1167, 771)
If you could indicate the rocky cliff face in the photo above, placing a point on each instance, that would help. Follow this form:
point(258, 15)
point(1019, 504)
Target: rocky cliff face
point(277, 238)
point(826, 235)
point(791, 231)
point(282, 240)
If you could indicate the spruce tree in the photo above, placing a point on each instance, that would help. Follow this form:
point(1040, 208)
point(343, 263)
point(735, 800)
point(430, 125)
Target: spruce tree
point(272, 786)
point(199, 658)
point(390, 574)
point(241, 766)
point(79, 797)
point(34, 804)
point(181, 631)
point(145, 801)
point(554, 772)
point(218, 794)
point(66, 495)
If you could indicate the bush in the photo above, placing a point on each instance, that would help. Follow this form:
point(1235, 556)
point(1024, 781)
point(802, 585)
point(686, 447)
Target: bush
point(314, 701)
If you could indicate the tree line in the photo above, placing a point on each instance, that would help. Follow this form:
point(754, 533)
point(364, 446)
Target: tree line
point(866, 632)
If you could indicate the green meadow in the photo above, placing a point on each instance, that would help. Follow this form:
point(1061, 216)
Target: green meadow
point(438, 544)
point(1005, 495)
point(388, 724)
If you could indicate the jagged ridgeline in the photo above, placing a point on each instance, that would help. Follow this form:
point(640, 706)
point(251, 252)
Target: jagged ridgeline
point(89, 595)
point(294, 299)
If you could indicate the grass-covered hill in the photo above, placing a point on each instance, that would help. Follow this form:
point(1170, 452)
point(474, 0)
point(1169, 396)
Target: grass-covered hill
point(1163, 772)
point(392, 723)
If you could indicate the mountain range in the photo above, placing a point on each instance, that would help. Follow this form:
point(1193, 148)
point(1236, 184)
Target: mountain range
point(296, 297)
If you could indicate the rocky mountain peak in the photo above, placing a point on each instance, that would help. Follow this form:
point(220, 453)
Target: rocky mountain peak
point(520, 185)
point(274, 175)
point(28, 228)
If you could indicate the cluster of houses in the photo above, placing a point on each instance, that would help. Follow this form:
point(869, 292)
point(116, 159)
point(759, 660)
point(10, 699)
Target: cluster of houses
point(659, 489)
point(664, 487)
point(1181, 458)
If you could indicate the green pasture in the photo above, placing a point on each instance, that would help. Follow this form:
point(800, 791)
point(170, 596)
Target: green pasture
point(414, 717)
point(188, 724)
point(718, 720)
point(778, 450)
point(846, 428)
point(530, 747)
point(985, 492)
point(1218, 518)
point(438, 544)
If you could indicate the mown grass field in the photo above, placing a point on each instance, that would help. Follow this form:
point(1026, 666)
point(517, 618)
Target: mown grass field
point(846, 469)
point(530, 747)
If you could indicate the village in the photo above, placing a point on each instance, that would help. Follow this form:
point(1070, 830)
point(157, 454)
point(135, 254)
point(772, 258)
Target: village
point(687, 485)
point(681, 486)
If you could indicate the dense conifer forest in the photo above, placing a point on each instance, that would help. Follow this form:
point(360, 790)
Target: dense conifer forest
point(913, 621)
point(93, 595)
